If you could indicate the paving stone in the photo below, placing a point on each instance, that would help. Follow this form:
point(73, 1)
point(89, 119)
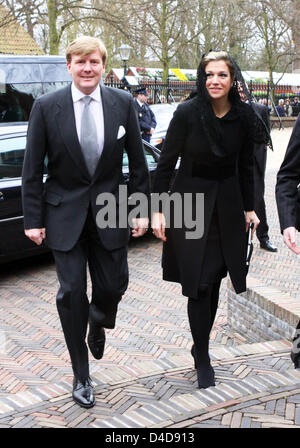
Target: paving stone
point(297, 416)
point(146, 377)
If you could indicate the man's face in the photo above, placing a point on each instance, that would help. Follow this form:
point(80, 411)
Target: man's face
point(86, 71)
point(142, 98)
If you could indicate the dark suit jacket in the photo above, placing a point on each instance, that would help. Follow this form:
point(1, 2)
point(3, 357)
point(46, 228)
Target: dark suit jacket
point(260, 149)
point(288, 178)
point(61, 205)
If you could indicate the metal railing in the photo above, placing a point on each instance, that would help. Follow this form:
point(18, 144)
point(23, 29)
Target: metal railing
point(159, 92)
point(174, 91)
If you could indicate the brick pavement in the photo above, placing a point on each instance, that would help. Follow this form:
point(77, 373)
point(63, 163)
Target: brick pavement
point(146, 378)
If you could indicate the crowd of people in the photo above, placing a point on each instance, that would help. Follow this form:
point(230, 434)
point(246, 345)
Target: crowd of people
point(284, 108)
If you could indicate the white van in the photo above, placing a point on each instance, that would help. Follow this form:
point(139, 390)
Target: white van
point(24, 78)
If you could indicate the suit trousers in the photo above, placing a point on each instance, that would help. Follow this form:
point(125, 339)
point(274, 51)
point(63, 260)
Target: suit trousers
point(109, 278)
point(259, 204)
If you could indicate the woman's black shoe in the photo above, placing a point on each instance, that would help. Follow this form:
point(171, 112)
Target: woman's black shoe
point(206, 377)
point(83, 393)
point(193, 355)
point(297, 363)
point(296, 360)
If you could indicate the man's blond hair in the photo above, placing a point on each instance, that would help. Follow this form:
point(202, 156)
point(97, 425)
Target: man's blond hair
point(84, 46)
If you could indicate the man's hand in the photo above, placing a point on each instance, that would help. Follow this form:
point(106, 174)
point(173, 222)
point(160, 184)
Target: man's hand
point(289, 238)
point(140, 226)
point(159, 225)
point(36, 235)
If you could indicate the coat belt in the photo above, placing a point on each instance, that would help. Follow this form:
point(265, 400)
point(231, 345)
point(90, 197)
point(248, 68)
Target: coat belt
point(213, 172)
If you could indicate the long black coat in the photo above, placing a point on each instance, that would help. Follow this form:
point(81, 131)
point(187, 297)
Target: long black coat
point(227, 184)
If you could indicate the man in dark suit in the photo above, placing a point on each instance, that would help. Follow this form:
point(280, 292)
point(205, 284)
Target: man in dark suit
point(260, 160)
point(288, 178)
point(146, 116)
point(295, 106)
point(83, 129)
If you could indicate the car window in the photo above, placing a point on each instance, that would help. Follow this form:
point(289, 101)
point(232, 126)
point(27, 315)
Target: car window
point(12, 151)
point(125, 159)
point(11, 157)
point(149, 158)
point(16, 100)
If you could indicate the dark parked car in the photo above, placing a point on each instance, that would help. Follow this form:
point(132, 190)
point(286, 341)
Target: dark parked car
point(13, 243)
point(163, 114)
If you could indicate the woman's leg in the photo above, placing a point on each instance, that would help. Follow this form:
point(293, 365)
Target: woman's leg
point(214, 302)
point(201, 314)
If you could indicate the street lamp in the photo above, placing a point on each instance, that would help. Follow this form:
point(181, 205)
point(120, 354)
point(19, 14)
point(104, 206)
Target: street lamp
point(125, 51)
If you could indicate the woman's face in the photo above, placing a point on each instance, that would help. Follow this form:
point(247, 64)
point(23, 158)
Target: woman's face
point(218, 79)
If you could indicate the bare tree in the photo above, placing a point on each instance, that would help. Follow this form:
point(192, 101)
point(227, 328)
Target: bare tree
point(273, 35)
point(160, 27)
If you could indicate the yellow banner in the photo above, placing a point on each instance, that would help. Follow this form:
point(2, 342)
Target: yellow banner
point(178, 73)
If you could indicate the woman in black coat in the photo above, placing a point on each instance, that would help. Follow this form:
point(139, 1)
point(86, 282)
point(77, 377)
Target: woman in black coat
point(213, 134)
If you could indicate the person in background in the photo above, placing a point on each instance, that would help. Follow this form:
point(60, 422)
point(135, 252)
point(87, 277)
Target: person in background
point(296, 106)
point(280, 108)
point(260, 161)
point(288, 108)
point(269, 106)
point(146, 116)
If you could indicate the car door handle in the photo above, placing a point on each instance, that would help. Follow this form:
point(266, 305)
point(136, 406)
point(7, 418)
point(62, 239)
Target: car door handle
point(1, 196)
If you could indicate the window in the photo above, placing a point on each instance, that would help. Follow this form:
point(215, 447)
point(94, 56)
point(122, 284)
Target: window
point(16, 100)
point(12, 150)
point(149, 158)
point(11, 157)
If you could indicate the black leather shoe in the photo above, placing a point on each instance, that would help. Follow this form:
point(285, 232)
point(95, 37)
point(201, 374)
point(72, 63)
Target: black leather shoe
point(83, 393)
point(267, 245)
point(96, 340)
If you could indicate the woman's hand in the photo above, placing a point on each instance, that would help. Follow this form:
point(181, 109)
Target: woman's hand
point(140, 226)
point(249, 218)
point(159, 225)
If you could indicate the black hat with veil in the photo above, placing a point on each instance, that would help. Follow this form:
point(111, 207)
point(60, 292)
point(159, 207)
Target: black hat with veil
point(240, 98)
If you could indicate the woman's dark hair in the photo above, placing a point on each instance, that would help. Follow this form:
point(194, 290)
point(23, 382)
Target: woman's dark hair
point(238, 97)
point(219, 56)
